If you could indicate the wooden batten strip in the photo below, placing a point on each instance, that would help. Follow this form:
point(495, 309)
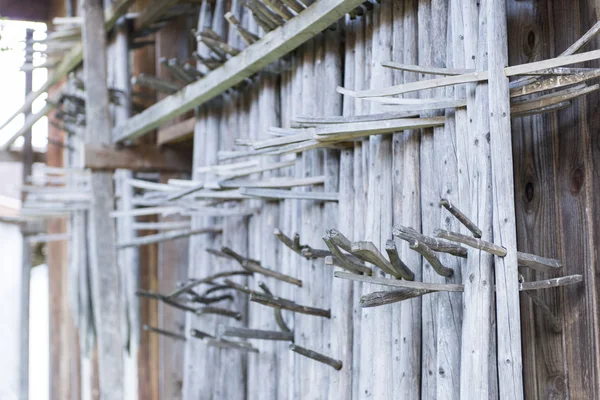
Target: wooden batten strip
point(455, 287)
point(165, 236)
point(426, 70)
point(275, 194)
point(475, 76)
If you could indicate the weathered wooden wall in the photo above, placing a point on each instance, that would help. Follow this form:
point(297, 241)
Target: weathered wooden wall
point(413, 349)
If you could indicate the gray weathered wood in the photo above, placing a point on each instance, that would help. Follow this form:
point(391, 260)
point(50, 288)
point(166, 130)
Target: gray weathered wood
point(106, 296)
point(272, 46)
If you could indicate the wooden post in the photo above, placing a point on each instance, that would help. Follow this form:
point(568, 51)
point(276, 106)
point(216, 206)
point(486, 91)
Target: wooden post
point(106, 296)
point(474, 168)
point(26, 260)
point(508, 315)
point(448, 315)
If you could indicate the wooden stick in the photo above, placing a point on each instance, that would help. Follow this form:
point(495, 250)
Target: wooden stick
point(276, 311)
point(475, 76)
point(165, 236)
point(199, 334)
point(470, 225)
point(335, 364)
point(216, 288)
point(430, 256)
point(150, 226)
point(280, 9)
point(210, 300)
point(245, 34)
point(308, 122)
point(427, 70)
point(368, 252)
point(551, 283)
point(397, 263)
point(219, 311)
point(447, 287)
point(256, 267)
point(471, 242)
point(226, 344)
point(165, 299)
point(163, 332)
point(195, 282)
point(554, 83)
point(288, 305)
point(145, 211)
point(539, 263)
point(240, 288)
point(382, 298)
point(437, 287)
point(553, 320)
point(551, 99)
point(272, 182)
point(247, 333)
point(342, 260)
point(408, 234)
point(275, 194)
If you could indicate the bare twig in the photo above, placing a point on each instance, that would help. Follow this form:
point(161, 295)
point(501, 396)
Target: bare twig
point(303, 250)
point(277, 302)
point(336, 364)
point(219, 311)
point(430, 256)
point(470, 225)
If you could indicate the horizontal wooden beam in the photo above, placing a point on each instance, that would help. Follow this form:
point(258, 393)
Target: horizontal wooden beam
point(269, 48)
point(179, 132)
point(17, 156)
point(140, 158)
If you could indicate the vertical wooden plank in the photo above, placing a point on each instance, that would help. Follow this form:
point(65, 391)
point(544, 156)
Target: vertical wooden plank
point(197, 380)
point(409, 373)
point(363, 79)
point(26, 257)
point(537, 206)
point(104, 272)
point(430, 210)
point(342, 293)
point(474, 179)
point(576, 181)
point(504, 226)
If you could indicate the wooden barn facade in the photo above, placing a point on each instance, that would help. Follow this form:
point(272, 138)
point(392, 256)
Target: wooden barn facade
point(321, 199)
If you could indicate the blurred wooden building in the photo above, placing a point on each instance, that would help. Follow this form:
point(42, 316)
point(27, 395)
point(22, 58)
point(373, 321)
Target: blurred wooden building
point(319, 199)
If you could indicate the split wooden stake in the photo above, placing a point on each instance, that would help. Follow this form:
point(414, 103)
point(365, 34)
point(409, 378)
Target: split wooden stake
point(209, 279)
